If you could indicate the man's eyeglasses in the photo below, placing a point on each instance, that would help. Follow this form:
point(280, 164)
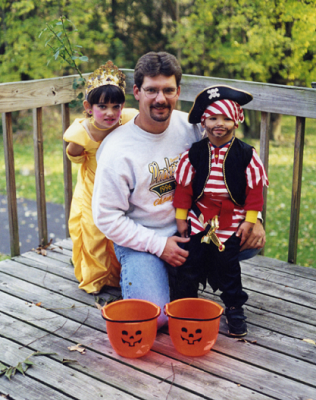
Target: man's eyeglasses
point(152, 93)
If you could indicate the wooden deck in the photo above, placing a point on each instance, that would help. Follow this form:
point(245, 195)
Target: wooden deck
point(42, 309)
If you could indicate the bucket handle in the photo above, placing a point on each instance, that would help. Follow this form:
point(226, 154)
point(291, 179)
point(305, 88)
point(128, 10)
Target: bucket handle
point(191, 319)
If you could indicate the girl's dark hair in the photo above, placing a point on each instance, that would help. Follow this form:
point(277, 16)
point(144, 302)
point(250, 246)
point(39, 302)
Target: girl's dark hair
point(106, 94)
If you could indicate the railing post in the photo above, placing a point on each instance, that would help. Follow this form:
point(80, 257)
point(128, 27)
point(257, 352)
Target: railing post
point(67, 167)
point(265, 128)
point(39, 175)
point(296, 188)
point(10, 184)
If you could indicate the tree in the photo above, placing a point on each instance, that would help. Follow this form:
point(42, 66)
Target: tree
point(270, 41)
point(142, 26)
point(23, 55)
point(119, 30)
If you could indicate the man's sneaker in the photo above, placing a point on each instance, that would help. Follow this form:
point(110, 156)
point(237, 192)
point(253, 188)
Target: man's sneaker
point(235, 319)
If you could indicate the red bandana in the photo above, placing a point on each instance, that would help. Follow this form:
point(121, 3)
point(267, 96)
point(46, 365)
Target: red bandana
point(230, 108)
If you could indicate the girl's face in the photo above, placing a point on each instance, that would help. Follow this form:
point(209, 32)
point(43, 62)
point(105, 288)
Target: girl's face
point(106, 115)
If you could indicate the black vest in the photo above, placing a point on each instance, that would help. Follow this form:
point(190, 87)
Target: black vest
point(236, 160)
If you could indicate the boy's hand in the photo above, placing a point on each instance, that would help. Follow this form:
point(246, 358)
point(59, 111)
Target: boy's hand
point(244, 231)
point(182, 227)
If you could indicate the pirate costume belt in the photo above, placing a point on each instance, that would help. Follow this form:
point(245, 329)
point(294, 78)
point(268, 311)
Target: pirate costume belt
point(210, 236)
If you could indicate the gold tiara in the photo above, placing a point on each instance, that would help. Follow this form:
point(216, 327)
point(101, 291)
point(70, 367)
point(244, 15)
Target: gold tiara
point(107, 74)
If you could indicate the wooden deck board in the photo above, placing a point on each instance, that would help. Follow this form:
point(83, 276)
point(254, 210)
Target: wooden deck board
point(42, 309)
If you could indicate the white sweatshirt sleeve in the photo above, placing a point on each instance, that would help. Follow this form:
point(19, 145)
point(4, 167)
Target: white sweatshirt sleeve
point(110, 203)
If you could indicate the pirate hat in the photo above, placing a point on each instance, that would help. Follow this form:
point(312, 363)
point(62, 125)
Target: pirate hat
point(214, 93)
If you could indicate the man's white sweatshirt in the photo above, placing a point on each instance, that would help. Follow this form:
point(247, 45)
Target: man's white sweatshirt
point(134, 183)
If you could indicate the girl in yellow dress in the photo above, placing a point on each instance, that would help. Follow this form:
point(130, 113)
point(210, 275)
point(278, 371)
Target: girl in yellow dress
point(93, 257)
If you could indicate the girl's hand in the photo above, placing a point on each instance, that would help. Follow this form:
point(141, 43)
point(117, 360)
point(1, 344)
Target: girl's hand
point(182, 227)
point(75, 149)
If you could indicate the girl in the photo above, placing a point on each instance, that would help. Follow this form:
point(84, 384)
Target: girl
point(93, 257)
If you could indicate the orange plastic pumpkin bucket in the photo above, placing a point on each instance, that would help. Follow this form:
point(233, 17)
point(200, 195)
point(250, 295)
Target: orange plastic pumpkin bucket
point(131, 326)
point(193, 325)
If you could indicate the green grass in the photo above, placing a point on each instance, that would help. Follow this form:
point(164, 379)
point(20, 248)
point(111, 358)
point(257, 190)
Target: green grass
point(280, 174)
point(53, 157)
point(279, 193)
point(4, 257)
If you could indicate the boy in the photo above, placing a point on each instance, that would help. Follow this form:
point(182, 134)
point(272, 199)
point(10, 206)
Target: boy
point(217, 199)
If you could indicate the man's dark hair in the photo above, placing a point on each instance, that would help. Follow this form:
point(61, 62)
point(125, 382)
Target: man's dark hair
point(153, 64)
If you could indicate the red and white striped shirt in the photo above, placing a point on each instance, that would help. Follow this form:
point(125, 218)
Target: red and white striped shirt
point(216, 190)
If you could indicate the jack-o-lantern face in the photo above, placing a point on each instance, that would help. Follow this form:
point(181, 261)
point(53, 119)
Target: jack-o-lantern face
point(131, 339)
point(191, 338)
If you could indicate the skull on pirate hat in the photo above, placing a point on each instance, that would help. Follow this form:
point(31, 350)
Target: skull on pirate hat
point(212, 94)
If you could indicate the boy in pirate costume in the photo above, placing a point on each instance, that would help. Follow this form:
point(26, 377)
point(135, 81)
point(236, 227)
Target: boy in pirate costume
point(217, 200)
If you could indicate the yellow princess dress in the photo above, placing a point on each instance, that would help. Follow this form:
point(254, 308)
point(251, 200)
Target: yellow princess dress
point(95, 263)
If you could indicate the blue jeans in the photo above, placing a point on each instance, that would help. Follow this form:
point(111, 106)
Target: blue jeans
point(144, 276)
point(248, 253)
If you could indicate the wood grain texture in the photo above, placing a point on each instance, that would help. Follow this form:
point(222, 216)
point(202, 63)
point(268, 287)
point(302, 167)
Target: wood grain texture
point(42, 309)
point(40, 175)
point(288, 100)
point(10, 183)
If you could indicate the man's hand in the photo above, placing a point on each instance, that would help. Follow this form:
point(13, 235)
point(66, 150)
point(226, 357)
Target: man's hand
point(257, 238)
point(244, 231)
point(173, 254)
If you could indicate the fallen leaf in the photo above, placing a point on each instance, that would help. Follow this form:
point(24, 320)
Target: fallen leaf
point(247, 341)
point(68, 361)
point(10, 372)
point(59, 247)
point(46, 245)
point(81, 350)
point(28, 362)
point(311, 341)
point(44, 353)
point(38, 304)
point(98, 306)
point(20, 368)
point(41, 249)
point(2, 367)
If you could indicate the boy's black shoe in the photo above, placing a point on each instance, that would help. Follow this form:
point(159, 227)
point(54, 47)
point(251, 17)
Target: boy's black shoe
point(235, 319)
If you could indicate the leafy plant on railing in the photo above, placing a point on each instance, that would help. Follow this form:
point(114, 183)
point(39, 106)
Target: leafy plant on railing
point(57, 38)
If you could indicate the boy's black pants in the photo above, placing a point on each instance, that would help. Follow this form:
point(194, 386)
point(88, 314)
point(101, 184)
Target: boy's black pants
point(206, 263)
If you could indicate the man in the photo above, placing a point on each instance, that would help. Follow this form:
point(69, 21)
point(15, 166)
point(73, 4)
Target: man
point(134, 183)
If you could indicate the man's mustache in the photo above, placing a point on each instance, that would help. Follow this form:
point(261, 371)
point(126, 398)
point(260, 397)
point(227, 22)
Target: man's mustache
point(160, 106)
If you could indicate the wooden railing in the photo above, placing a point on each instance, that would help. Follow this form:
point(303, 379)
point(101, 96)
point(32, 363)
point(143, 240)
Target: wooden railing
point(268, 98)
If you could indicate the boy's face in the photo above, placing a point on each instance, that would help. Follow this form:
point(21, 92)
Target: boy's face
point(219, 128)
